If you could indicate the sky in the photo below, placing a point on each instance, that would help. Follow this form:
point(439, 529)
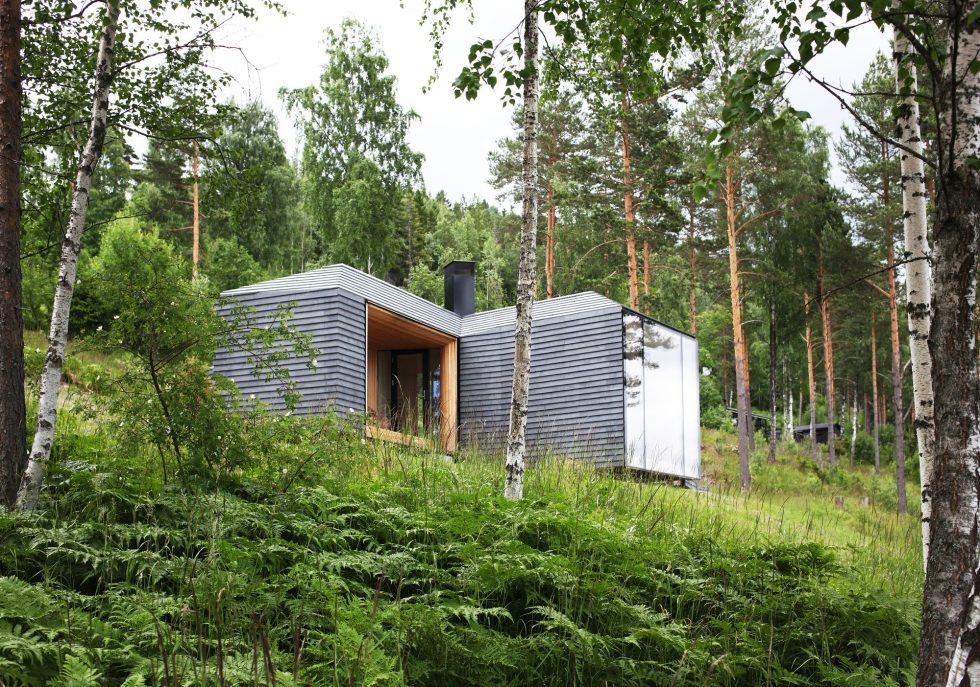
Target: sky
point(455, 135)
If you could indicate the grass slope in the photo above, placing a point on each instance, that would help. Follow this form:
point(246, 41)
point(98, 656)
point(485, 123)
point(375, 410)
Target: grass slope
point(392, 567)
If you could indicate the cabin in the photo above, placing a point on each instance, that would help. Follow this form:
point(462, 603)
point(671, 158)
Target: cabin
point(820, 431)
point(608, 384)
point(760, 423)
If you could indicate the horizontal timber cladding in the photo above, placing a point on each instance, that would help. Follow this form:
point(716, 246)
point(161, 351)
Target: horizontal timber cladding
point(335, 321)
point(575, 406)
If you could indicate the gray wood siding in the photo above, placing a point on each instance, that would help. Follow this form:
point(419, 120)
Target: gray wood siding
point(576, 399)
point(335, 319)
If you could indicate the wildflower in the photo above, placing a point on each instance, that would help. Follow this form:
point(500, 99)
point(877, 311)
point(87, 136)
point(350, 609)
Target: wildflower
point(99, 328)
point(115, 317)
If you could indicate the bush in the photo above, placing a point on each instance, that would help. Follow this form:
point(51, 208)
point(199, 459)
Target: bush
point(165, 329)
point(864, 449)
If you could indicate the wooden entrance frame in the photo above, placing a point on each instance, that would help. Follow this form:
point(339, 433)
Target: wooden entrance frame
point(388, 331)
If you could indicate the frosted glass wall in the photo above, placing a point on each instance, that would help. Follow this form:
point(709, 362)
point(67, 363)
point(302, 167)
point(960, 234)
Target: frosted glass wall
point(660, 379)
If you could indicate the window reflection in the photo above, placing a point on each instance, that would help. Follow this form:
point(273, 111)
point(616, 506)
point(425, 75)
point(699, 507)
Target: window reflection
point(660, 386)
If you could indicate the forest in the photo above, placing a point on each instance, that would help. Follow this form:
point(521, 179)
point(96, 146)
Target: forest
point(158, 527)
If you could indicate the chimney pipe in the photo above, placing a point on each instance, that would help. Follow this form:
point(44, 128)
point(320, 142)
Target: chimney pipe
point(459, 287)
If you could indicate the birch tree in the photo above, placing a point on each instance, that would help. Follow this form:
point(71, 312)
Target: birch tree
point(526, 278)
point(30, 486)
point(918, 271)
point(156, 85)
point(949, 651)
point(599, 29)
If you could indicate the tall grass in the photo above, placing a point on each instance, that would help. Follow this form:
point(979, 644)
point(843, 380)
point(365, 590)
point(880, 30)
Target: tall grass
point(387, 565)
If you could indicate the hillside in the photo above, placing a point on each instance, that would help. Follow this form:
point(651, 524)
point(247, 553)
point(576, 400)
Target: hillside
point(358, 563)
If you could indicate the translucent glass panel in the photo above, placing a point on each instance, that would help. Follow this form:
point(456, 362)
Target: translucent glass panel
point(633, 388)
point(660, 378)
point(692, 408)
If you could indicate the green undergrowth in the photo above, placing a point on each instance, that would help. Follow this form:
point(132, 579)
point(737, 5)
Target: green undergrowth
point(387, 567)
point(795, 500)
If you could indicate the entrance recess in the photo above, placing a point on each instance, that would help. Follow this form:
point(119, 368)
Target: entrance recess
point(411, 381)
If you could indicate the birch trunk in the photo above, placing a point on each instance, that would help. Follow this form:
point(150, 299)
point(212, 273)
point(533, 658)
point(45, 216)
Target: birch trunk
point(918, 277)
point(740, 383)
point(526, 278)
point(949, 647)
point(854, 424)
point(828, 366)
point(13, 427)
point(30, 485)
point(811, 379)
point(898, 407)
point(874, 390)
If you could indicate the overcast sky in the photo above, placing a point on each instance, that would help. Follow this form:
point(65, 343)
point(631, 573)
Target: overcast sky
point(455, 135)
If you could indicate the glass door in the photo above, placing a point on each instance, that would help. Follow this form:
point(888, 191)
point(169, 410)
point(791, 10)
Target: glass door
point(409, 372)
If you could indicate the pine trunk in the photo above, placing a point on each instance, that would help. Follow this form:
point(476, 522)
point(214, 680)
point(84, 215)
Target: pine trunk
point(811, 379)
point(13, 427)
point(898, 407)
point(196, 249)
point(692, 295)
point(918, 277)
point(787, 404)
point(549, 258)
point(30, 485)
point(749, 425)
point(772, 381)
point(828, 366)
point(741, 391)
point(874, 390)
point(628, 207)
point(949, 646)
point(526, 279)
point(646, 267)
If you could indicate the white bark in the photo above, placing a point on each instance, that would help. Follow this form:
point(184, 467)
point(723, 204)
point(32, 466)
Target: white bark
point(961, 122)
point(854, 423)
point(30, 485)
point(526, 278)
point(918, 277)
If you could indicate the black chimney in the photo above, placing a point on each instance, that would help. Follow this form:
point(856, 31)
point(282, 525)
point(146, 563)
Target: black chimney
point(460, 292)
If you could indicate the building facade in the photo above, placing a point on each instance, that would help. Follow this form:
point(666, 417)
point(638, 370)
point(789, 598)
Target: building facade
point(607, 384)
